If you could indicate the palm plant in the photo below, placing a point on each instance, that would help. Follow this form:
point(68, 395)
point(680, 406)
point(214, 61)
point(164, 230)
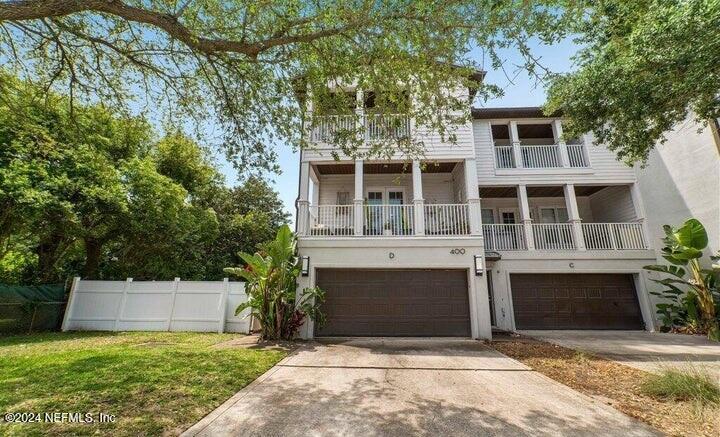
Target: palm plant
point(271, 286)
point(696, 303)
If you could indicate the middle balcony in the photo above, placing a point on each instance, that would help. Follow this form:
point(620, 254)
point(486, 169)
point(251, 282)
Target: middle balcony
point(388, 200)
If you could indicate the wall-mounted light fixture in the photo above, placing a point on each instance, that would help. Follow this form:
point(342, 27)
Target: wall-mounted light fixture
point(479, 269)
point(305, 265)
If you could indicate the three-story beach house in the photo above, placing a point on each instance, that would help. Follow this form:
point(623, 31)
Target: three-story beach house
point(511, 226)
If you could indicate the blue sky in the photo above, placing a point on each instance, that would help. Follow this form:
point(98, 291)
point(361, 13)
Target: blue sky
point(522, 91)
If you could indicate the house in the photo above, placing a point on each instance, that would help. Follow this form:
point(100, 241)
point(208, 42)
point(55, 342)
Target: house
point(511, 227)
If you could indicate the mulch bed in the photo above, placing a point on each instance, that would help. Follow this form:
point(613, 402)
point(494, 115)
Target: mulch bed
point(612, 383)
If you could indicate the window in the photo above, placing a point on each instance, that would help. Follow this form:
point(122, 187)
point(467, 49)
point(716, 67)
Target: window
point(375, 198)
point(508, 217)
point(343, 198)
point(553, 215)
point(488, 216)
point(395, 197)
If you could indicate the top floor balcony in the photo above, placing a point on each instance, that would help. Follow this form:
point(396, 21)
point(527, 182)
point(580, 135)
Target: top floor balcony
point(369, 127)
point(536, 145)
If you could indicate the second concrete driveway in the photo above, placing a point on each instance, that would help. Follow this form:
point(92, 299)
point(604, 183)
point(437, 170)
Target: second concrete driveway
point(410, 387)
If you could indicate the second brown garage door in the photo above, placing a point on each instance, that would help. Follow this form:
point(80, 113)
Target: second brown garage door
point(575, 301)
point(394, 303)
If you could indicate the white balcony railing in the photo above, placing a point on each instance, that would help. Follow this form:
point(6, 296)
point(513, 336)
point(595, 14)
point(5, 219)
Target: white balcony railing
point(386, 126)
point(331, 220)
point(373, 127)
point(613, 236)
point(553, 236)
point(504, 157)
point(446, 219)
point(329, 127)
point(389, 220)
point(504, 237)
point(540, 156)
point(576, 155)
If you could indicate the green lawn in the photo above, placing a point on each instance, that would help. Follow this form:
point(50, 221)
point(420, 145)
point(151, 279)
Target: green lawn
point(153, 383)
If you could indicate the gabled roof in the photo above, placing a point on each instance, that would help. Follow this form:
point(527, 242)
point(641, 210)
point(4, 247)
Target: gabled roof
point(518, 112)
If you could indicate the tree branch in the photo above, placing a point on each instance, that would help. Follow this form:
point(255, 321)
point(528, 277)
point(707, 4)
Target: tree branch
point(23, 10)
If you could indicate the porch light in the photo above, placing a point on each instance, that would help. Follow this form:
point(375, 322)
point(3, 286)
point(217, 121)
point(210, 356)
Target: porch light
point(479, 269)
point(305, 265)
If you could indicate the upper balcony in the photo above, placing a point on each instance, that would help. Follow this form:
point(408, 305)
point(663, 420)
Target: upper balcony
point(536, 145)
point(349, 123)
point(370, 127)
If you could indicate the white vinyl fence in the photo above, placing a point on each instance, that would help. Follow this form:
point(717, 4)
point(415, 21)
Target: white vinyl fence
point(202, 306)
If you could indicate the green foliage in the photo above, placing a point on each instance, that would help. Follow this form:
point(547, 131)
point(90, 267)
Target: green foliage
point(644, 66)
point(95, 194)
point(271, 285)
point(694, 306)
point(246, 64)
point(689, 384)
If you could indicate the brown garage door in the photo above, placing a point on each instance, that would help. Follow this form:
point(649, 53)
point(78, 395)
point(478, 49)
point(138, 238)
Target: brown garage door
point(575, 301)
point(394, 302)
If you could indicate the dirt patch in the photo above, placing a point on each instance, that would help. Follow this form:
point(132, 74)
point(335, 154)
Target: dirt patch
point(254, 342)
point(612, 383)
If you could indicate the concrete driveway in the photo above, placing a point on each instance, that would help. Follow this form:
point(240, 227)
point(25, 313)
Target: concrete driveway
point(371, 387)
point(649, 351)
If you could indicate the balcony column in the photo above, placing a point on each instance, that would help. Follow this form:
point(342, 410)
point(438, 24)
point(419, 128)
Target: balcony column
point(640, 216)
point(360, 123)
point(560, 141)
point(525, 216)
point(574, 215)
point(418, 201)
point(472, 193)
point(303, 204)
point(515, 141)
point(358, 199)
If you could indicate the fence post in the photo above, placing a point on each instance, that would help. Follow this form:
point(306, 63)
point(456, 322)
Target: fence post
point(172, 303)
point(223, 304)
point(121, 305)
point(69, 306)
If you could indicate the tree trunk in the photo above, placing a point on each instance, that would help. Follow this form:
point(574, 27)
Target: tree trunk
point(48, 251)
point(93, 253)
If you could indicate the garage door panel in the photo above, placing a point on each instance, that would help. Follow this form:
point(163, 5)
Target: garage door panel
point(394, 302)
point(577, 301)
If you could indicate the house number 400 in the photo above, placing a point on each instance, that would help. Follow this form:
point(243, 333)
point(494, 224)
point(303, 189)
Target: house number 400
point(457, 251)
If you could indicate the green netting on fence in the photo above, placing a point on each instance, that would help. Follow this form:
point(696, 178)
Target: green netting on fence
point(26, 308)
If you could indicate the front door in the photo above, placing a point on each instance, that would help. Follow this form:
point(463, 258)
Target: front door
point(385, 212)
point(375, 200)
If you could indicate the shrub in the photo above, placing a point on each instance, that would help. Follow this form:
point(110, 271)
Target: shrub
point(271, 275)
point(690, 384)
point(691, 296)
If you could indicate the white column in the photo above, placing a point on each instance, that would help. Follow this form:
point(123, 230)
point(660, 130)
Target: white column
point(358, 199)
point(515, 141)
point(418, 201)
point(524, 206)
point(640, 216)
point(560, 141)
point(361, 125)
point(303, 204)
point(472, 193)
point(574, 215)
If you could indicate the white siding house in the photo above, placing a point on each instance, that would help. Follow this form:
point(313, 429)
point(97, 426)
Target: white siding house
point(514, 227)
